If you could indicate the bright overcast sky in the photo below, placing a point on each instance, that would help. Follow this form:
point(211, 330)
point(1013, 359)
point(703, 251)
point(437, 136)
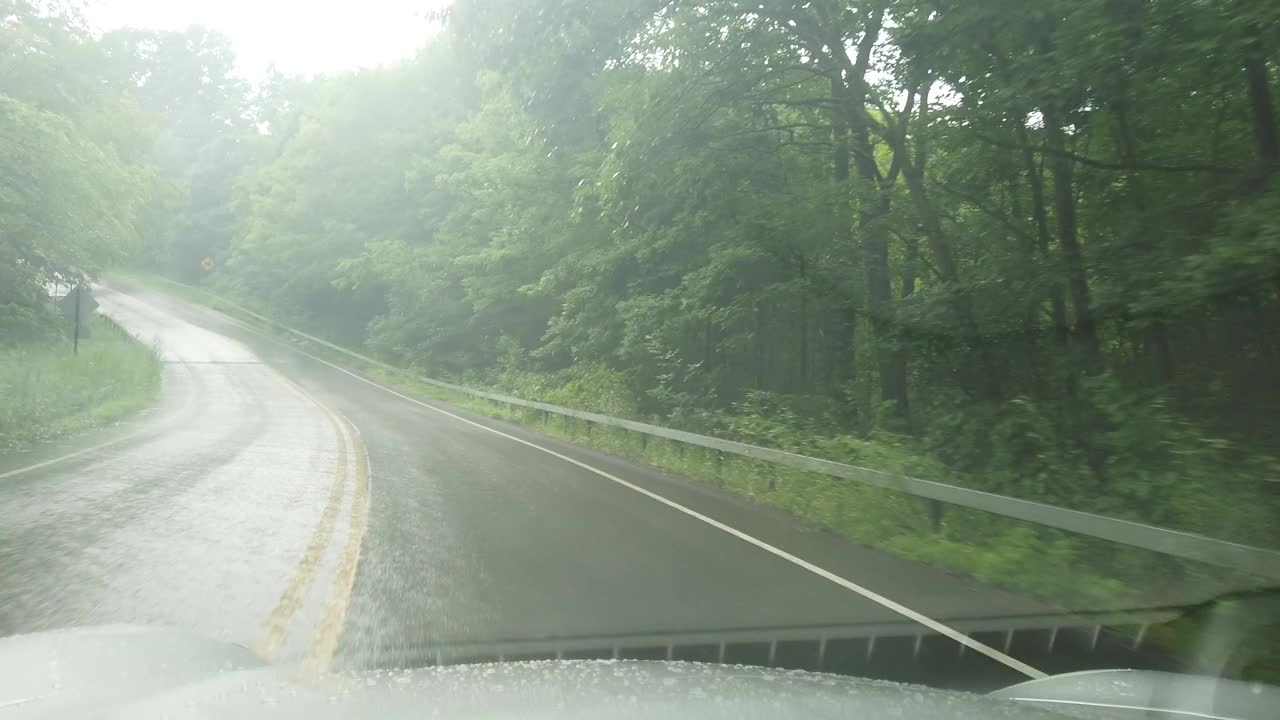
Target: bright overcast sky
point(298, 36)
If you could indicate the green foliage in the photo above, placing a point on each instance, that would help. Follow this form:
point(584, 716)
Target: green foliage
point(595, 388)
point(200, 138)
point(79, 218)
point(1026, 247)
point(72, 183)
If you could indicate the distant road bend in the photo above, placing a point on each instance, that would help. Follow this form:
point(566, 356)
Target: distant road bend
point(276, 500)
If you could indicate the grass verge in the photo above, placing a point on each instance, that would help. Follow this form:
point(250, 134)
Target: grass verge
point(46, 392)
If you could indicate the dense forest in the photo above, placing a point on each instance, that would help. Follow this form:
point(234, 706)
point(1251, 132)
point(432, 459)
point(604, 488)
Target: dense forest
point(1037, 243)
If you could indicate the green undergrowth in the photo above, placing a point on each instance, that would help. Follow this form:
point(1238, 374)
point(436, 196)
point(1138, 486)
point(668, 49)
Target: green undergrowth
point(46, 391)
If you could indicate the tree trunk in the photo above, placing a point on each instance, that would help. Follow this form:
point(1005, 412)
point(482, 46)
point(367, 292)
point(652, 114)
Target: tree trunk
point(891, 362)
point(849, 120)
point(1035, 181)
point(708, 354)
point(944, 255)
point(910, 265)
point(759, 347)
point(840, 335)
point(1157, 334)
point(1064, 206)
point(1264, 119)
point(1267, 137)
point(804, 325)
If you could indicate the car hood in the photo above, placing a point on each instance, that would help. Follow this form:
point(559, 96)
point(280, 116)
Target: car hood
point(1144, 693)
point(135, 672)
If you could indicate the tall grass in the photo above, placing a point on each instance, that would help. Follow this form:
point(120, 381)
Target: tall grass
point(45, 391)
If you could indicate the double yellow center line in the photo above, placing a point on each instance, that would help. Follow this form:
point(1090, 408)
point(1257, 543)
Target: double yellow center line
point(324, 644)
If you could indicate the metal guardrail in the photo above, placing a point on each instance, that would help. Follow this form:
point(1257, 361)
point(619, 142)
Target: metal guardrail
point(1190, 546)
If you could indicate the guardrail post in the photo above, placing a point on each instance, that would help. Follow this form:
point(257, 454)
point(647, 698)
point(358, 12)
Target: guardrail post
point(935, 515)
point(1142, 633)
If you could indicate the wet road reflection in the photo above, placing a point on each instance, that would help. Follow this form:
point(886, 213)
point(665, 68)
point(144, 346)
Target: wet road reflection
point(202, 523)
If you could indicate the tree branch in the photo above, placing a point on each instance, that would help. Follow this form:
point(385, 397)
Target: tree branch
point(992, 213)
point(1104, 165)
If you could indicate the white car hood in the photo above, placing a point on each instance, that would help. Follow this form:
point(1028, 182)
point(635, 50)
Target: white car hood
point(133, 672)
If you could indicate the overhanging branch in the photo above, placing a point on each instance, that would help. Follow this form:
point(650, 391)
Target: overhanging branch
point(1104, 165)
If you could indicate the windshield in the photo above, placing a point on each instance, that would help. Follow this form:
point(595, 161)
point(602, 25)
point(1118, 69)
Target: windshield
point(924, 340)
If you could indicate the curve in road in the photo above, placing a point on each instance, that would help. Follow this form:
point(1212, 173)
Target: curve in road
point(244, 509)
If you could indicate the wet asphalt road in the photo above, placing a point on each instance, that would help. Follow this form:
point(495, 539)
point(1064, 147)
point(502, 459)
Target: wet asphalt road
point(277, 502)
point(197, 519)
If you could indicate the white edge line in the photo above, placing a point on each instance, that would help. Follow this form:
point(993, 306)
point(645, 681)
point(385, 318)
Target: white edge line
point(69, 456)
point(1075, 673)
point(1116, 706)
point(903, 610)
